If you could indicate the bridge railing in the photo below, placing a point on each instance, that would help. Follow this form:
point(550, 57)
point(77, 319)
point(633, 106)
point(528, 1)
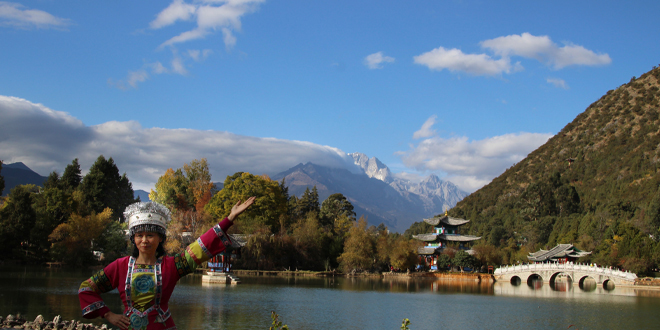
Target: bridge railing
point(587, 268)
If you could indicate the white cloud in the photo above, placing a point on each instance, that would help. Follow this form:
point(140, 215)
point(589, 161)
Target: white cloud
point(544, 50)
point(177, 10)
point(559, 83)
point(210, 16)
point(134, 77)
point(455, 60)
point(426, 130)
point(471, 164)
point(15, 15)
point(199, 56)
point(228, 38)
point(48, 140)
point(158, 68)
point(178, 66)
point(540, 48)
point(376, 60)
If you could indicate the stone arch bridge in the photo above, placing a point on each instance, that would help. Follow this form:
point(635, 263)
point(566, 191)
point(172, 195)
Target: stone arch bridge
point(548, 272)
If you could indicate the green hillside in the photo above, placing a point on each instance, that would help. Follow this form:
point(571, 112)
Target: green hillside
point(594, 184)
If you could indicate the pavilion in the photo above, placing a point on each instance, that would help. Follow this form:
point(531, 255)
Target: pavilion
point(561, 253)
point(445, 229)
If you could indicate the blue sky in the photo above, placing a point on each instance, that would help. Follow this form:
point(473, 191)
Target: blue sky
point(462, 89)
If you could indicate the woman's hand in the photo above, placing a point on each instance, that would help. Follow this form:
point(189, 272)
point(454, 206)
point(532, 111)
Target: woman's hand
point(119, 320)
point(237, 209)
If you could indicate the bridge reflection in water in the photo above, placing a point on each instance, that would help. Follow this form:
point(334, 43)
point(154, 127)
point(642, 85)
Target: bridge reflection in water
point(565, 288)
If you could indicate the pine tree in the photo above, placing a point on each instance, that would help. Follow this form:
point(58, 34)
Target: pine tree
point(103, 187)
point(71, 177)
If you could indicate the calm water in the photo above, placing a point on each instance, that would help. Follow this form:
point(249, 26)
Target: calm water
point(353, 303)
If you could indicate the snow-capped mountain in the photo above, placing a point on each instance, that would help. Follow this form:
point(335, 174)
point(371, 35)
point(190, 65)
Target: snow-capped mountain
point(436, 194)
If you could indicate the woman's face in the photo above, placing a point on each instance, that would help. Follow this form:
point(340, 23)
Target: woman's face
point(147, 242)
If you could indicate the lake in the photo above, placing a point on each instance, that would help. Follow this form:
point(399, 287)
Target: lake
point(352, 303)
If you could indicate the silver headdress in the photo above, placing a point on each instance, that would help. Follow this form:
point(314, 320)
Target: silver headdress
point(147, 216)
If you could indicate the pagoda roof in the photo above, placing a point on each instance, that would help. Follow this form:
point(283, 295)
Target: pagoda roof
point(447, 220)
point(238, 240)
point(432, 237)
point(458, 238)
point(559, 251)
point(427, 250)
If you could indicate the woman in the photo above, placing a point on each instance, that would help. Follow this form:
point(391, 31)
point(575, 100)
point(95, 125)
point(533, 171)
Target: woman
point(146, 279)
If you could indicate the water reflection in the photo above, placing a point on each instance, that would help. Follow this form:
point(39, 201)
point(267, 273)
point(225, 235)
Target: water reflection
point(348, 303)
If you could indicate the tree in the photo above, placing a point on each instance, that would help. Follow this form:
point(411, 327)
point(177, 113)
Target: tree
point(17, 218)
point(358, 249)
point(171, 190)
point(444, 260)
point(335, 206)
point(404, 253)
point(462, 259)
point(199, 179)
point(2, 180)
point(53, 180)
point(73, 241)
point(71, 178)
point(103, 187)
point(309, 202)
point(310, 241)
point(179, 191)
point(269, 206)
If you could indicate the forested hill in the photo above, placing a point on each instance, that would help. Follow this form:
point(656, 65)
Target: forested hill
point(594, 184)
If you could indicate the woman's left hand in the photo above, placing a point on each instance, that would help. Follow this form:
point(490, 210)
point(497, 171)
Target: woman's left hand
point(237, 209)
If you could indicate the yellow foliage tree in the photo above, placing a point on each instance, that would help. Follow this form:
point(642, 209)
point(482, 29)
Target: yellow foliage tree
point(358, 249)
point(76, 237)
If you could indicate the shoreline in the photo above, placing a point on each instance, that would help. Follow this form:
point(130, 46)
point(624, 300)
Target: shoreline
point(640, 284)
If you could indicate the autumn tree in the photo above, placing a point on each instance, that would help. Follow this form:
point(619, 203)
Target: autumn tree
point(358, 249)
point(171, 190)
point(310, 241)
point(73, 241)
point(403, 254)
point(269, 206)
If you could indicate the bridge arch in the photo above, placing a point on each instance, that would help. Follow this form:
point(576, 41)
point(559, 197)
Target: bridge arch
point(535, 281)
point(608, 284)
point(587, 283)
point(554, 276)
point(515, 280)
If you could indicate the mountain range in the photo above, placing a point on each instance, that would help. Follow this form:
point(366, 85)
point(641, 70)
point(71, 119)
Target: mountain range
point(376, 193)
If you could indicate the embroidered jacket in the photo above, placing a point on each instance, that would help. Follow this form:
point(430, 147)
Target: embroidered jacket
point(146, 290)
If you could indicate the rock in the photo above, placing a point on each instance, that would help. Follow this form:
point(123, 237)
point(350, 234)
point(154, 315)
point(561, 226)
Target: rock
point(11, 318)
point(39, 320)
point(57, 320)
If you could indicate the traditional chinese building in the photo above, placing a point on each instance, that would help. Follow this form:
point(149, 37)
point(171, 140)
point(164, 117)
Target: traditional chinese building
point(445, 230)
point(561, 253)
point(220, 265)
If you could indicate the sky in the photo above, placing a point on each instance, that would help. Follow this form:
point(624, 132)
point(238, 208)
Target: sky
point(460, 89)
